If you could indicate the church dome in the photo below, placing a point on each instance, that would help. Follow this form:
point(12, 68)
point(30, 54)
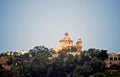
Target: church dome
point(79, 39)
point(66, 34)
point(66, 37)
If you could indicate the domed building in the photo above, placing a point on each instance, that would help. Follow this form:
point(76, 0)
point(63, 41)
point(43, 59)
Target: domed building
point(67, 43)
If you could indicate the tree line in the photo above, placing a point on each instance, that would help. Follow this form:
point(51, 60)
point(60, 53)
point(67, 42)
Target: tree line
point(40, 63)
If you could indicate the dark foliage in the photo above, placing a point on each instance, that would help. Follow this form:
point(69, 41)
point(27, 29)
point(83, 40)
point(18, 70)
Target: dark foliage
point(39, 63)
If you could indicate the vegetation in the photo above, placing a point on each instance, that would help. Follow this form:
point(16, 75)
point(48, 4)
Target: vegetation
point(40, 63)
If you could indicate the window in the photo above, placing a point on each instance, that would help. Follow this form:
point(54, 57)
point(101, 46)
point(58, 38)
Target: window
point(115, 58)
point(118, 58)
point(111, 58)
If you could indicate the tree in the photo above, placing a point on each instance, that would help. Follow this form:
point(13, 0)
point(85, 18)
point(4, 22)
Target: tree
point(36, 63)
point(103, 54)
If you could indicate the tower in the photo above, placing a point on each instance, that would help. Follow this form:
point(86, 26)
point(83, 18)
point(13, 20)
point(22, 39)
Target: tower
point(79, 44)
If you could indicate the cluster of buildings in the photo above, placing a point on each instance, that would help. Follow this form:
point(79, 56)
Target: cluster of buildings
point(6, 56)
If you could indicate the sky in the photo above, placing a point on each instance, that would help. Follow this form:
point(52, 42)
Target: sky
point(28, 23)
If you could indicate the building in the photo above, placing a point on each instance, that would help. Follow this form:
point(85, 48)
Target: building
point(67, 43)
point(113, 59)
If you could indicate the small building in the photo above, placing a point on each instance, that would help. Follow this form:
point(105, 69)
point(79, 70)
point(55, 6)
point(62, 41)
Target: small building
point(113, 59)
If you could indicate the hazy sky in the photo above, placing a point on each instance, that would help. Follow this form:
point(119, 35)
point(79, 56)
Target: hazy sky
point(28, 23)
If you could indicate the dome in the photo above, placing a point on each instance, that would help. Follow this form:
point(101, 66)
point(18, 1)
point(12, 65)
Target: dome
point(66, 37)
point(79, 39)
point(66, 33)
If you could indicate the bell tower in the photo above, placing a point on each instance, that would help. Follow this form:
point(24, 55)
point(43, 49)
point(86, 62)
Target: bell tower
point(79, 44)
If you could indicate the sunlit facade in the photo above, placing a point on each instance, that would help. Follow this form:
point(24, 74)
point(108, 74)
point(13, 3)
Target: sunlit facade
point(67, 43)
point(113, 58)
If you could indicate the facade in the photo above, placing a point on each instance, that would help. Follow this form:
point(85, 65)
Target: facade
point(113, 58)
point(67, 43)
